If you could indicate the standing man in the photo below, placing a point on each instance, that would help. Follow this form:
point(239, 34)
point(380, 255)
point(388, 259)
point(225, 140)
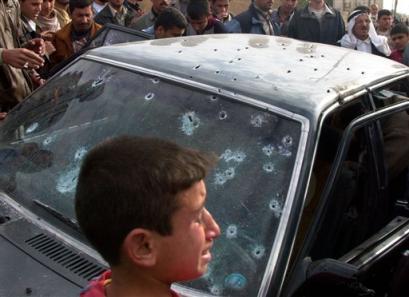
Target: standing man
point(256, 19)
point(221, 10)
point(30, 10)
point(15, 84)
point(201, 21)
point(362, 36)
point(98, 5)
point(385, 20)
point(114, 13)
point(148, 19)
point(61, 6)
point(374, 13)
point(76, 34)
point(282, 16)
point(317, 22)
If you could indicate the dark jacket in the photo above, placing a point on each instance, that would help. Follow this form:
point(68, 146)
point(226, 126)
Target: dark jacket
point(305, 26)
point(214, 26)
point(248, 22)
point(105, 16)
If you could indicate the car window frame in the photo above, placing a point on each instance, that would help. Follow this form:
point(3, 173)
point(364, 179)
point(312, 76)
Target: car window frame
point(357, 123)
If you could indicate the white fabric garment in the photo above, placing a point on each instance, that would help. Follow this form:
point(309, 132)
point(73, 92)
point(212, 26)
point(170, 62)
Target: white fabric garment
point(350, 41)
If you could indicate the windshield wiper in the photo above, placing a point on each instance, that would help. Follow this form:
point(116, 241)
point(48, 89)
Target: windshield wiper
point(72, 223)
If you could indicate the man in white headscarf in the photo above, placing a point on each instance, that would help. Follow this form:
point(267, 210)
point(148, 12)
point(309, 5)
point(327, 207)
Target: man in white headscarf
point(362, 35)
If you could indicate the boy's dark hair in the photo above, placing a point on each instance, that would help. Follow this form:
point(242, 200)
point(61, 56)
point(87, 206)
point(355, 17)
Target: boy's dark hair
point(197, 9)
point(132, 182)
point(73, 4)
point(171, 17)
point(399, 29)
point(383, 12)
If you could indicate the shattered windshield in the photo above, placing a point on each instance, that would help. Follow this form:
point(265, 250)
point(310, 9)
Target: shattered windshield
point(44, 140)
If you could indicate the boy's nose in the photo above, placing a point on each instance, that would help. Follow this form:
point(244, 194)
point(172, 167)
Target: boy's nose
point(212, 228)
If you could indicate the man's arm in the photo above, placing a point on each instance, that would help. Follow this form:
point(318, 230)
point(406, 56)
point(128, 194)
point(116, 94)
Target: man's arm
point(21, 58)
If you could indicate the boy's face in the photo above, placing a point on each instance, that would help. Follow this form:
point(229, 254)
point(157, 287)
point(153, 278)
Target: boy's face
point(31, 8)
point(185, 254)
point(199, 25)
point(400, 41)
point(175, 31)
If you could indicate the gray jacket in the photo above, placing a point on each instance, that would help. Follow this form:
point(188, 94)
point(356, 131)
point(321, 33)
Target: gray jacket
point(14, 83)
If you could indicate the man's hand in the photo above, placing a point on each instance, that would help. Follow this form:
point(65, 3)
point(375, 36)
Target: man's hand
point(36, 45)
point(22, 58)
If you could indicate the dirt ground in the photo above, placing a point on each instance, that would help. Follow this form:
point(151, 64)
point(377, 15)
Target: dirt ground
point(237, 6)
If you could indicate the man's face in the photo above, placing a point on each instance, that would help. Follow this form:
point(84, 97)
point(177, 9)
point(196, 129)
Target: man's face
point(288, 5)
point(31, 8)
point(82, 19)
point(199, 25)
point(159, 5)
point(161, 32)
point(185, 254)
point(264, 5)
point(385, 22)
point(361, 28)
point(116, 3)
point(47, 7)
point(221, 8)
point(374, 9)
point(400, 41)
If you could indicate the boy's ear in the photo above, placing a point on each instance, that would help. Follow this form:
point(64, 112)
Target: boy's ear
point(139, 247)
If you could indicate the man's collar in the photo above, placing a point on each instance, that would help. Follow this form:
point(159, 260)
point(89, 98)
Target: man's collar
point(328, 10)
point(114, 11)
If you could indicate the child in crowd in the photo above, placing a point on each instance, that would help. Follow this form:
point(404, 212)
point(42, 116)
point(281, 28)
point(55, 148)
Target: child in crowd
point(400, 39)
point(141, 203)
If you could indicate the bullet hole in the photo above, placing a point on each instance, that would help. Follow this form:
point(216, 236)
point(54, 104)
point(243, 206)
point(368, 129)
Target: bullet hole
point(229, 173)
point(29, 291)
point(155, 80)
point(97, 82)
point(216, 290)
point(246, 47)
point(215, 50)
point(363, 72)
point(328, 91)
point(234, 79)
point(238, 49)
point(237, 156)
point(312, 56)
point(179, 52)
point(258, 252)
point(67, 182)
point(239, 59)
point(190, 122)
point(80, 154)
point(213, 98)
point(257, 120)
point(275, 207)
point(284, 48)
point(231, 231)
point(268, 150)
point(288, 71)
point(268, 167)
point(149, 96)
point(32, 127)
point(231, 62)
point(219, 90)
point(322, 56)
point(258, 77)
point(222, 115)
point(287, 141)
point(196, 67)
point(348, 68)
point(48, 140)
point(315, 69)
point(222, 178)
point(301, 60)
point(217, 71)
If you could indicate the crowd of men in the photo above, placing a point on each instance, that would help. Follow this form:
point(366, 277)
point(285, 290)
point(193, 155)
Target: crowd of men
point(36, 35)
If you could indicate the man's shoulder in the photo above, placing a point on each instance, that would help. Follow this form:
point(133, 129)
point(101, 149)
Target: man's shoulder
point(64, 32)
point(244, 16)
point(104, 14)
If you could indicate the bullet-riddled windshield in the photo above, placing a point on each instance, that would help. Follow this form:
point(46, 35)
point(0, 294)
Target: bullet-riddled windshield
point(43, 142)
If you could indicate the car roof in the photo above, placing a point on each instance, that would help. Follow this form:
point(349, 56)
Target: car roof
point(301, 77)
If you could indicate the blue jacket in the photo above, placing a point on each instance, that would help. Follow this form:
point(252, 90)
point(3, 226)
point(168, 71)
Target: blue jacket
point(248, 22)
point(304, 25)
